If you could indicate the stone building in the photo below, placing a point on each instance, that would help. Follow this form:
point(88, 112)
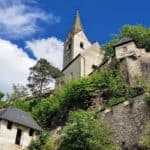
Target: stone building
point(134, 61)
point(79, 54)
point(17, 129)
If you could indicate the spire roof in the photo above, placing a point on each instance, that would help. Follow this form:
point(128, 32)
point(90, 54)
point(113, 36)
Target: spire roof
point(77, 26)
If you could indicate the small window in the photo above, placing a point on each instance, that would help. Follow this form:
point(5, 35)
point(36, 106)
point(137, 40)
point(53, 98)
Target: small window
point(81, 45)
point(69, 46)
point(125, 49)
point(31, 132)
point(71, 75)
point(9, 125)
point(18, 137)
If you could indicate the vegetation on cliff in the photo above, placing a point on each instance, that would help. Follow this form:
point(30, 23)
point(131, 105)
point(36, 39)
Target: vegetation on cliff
point(83, 130)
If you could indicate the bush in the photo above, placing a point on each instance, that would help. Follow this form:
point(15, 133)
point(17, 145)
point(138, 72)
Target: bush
point(145, 141)
point(115, 101)
point(78, 94)
point(147, 98)
point(85, 132)
point(50, 145)
point(3, 104)
point(24, 105)
point(40, 142)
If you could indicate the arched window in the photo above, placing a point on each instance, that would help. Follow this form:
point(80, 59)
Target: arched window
point(81, 45)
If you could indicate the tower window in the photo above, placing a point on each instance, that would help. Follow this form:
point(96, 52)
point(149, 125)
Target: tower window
point(69, 46)
point(81, 45)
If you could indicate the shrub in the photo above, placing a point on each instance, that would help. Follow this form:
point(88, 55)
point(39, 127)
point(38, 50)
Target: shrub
point(145, 141)
point(50, 145)
point(85, 132)
point(3, 104)
point(38, 143)
point(115, 101)
point(24, 105)
point(78, 94)
point(147, 98)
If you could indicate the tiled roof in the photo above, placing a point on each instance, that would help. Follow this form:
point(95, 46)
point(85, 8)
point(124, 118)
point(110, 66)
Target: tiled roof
point(20, 117)
point(123, 41)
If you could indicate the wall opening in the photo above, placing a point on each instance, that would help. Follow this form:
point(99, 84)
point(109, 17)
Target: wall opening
point(9, 125)
point(18, 136)
point(31, 132)
point(81, 45)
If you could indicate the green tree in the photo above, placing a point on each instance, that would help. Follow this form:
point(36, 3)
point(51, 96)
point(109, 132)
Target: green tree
point(1, 95)
point(139, 33)
point(41, 74)
point(18, 91)
point(109, 49)
point(85, 132)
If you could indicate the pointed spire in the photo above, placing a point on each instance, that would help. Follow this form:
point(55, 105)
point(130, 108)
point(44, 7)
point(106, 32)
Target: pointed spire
point(77, 27)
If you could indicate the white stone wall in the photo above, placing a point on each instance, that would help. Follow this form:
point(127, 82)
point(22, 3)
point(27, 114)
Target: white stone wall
point(134, 56)
point(73, 71)
point(80, 37)
point(8, 136)
point(91, 56)
point(82, 66)
point(74, 41)
point(121, 53)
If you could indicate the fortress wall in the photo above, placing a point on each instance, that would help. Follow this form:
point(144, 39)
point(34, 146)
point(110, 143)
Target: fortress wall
point(126, 122)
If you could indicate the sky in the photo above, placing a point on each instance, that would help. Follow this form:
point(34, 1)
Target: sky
point(34, 29)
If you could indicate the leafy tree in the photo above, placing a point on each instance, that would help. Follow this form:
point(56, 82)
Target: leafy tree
point(41, 74)
point(1, 95)
point(18, 91)
point(85, 132)
point(139, 33)
point(109, 49)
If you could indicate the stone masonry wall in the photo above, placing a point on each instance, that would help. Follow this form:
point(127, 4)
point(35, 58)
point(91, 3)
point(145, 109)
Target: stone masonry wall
point(126, 122)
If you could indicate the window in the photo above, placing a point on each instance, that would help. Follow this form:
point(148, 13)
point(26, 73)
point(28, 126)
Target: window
point(125, 49)
point(31, 132)
point(71, 75)
point(81, 45)
point(69, 46)
point(18, 136)
point(9, 125)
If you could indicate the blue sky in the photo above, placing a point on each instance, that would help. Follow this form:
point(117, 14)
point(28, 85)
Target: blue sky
point(31, 29)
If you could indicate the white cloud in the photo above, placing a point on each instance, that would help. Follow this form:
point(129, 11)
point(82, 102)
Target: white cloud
point(19, 19)
point(50, 49)
point(14, 65)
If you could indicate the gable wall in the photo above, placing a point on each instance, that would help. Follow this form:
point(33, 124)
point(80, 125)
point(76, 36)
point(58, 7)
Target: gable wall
point(7, 137)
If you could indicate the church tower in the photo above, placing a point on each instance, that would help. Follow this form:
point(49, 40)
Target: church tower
point(79, 54)
point(76, 41)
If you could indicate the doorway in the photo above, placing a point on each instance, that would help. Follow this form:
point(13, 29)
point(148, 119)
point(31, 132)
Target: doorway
point(18, 136)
